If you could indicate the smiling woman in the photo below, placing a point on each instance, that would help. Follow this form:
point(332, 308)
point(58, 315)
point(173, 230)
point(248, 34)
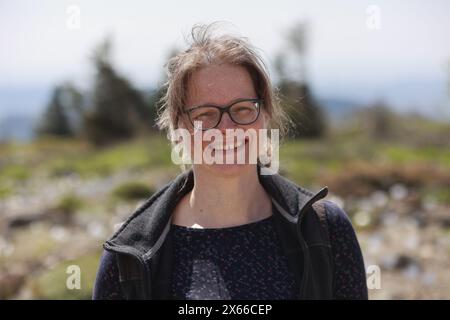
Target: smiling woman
point(224, 230)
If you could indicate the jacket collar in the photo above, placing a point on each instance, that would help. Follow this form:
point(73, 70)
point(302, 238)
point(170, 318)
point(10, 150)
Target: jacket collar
point(145, 230)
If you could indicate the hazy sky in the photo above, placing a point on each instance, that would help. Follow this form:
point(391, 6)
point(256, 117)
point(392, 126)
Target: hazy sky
point(406, 59)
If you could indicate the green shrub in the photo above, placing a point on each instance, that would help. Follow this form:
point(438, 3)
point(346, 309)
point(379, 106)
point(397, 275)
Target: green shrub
point(15, 172)
point(132, 190)
point(5, 192)
point(69, 203)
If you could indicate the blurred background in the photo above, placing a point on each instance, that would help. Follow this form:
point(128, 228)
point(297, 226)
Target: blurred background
point(366, 84)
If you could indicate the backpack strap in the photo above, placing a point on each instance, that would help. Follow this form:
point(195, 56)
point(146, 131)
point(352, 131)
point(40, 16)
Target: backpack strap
point(320, 210)
point(130, 277)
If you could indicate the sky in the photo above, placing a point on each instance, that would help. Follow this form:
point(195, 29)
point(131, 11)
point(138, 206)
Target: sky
point(403, 57)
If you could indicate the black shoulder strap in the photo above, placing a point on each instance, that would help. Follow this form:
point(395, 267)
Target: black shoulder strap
point(130, 277)
point(319, 208)
point(321, 212)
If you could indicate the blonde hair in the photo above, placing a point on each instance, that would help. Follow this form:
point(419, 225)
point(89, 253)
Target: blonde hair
point(207, 49)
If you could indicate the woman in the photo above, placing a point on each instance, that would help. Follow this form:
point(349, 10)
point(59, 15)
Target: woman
point(225, 230)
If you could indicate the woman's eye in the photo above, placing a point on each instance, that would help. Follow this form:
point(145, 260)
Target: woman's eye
point(203, 115)
point(242, 109)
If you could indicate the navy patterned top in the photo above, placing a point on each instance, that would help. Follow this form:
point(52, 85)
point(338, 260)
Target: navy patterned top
point(244, 262)
point(241, 262)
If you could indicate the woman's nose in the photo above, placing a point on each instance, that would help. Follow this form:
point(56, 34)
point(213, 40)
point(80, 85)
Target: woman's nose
point(226, 122)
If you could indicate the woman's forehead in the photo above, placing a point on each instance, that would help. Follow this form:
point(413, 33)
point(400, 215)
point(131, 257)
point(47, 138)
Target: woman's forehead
point(219, 84)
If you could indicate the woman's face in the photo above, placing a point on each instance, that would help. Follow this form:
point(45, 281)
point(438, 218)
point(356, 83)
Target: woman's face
point(221, 85)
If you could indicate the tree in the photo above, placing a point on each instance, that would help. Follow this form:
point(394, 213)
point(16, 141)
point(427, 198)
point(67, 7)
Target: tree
point(118, 111)
point(290, 64)
point(306, 115)
point(153, 98)
point(380, 121)
point(64, 113)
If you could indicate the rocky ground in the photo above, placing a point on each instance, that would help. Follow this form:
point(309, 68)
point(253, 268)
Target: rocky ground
point(38, 237)
point(405, 242)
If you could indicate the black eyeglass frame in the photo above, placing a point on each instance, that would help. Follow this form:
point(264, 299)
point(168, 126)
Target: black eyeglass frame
point(226, 108)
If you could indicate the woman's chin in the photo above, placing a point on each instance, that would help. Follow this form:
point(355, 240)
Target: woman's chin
point(223, 166)
point(233, 162)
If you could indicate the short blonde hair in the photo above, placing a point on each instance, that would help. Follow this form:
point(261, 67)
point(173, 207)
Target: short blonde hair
point(207, 49)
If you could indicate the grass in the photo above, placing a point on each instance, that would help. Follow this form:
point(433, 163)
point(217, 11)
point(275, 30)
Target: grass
point(69, 203)
point(56, 158)
point(137, 155)
point(5, 191)
point(441, 196)
point(307, 162)
point(401, 155)
point(15, 172)
point(132, 190)
point(52, 283)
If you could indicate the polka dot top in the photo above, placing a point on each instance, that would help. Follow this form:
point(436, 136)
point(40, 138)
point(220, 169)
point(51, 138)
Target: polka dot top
point(241, 262)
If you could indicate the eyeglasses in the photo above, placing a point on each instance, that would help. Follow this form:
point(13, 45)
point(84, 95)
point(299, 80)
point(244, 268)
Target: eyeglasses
point(242, 111)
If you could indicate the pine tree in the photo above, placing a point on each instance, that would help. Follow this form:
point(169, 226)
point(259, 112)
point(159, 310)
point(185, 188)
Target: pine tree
point(118, 111)
point(55, 120)
point(305, 113)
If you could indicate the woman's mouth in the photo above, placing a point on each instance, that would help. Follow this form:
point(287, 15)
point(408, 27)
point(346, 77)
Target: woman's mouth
point(229, 146)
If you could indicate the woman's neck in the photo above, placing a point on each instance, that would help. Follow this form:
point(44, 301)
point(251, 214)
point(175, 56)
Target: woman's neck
point(220, 201)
